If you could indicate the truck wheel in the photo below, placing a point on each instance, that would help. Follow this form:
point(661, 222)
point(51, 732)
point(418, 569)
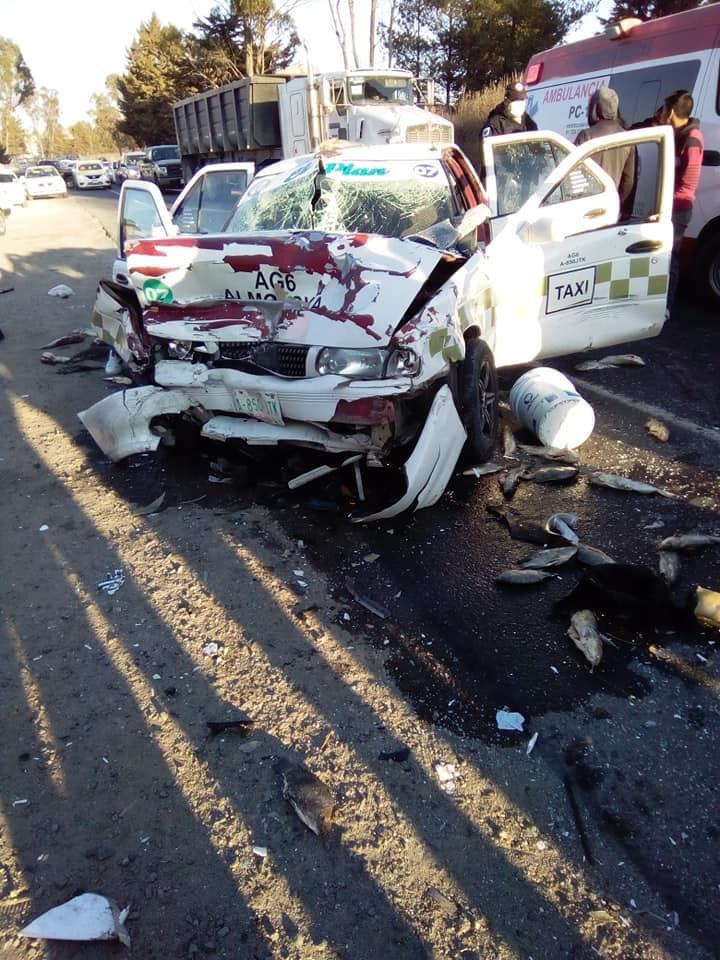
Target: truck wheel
point(708, 270)
point(479, 389)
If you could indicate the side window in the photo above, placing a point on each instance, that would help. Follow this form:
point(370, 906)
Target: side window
point(641, 91)
point(519, 169)
point(140, 218)
point(221, 190)
point(339, 98)
point(579, 183)
point(186, 216)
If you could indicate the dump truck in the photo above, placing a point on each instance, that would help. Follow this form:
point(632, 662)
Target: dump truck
point(267, 118)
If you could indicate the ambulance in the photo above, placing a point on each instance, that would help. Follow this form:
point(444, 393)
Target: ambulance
point(644, 62)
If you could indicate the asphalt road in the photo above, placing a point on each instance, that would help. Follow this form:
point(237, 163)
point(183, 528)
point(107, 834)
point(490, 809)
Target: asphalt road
point(634, 736)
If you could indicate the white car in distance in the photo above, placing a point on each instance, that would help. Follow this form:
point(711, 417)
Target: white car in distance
point(89, 174)
point(12, 192)
point(43, 181)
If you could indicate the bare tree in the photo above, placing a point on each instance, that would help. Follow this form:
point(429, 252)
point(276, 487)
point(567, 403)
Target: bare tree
point(353, 32)
point(373, 19)
point(390, 33)
point(339, 28)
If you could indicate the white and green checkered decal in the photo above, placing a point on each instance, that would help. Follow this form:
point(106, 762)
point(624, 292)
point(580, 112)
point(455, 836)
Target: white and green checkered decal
point(637, 278)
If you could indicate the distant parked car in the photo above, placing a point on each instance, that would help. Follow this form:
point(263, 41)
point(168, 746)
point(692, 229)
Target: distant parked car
point(88, 174)
point(43, 181)
point(12, 192)
point(129, 166)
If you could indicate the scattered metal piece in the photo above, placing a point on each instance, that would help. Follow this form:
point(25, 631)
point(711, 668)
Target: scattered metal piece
point(669, 566)
point(615, 482)
point(510, 482)
point(531, 744)
point(553, 557)
point(618, 360)
point(584, 633)
point(563, 524)
point(689, 541)
point(358, 478)
point(559, 474)
point(523, 578)
point(556, 454)
point(47, 357)
point(119, 381)
point(112, 582)
point(65, 341)
point(311, 800)
point(483, 469)
point(658, 430)
point(366, 602)
point(151, 507)
point(592, 556)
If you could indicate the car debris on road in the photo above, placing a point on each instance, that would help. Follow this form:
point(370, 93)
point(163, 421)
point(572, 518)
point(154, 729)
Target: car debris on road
point(88, 917)
point(311, 800)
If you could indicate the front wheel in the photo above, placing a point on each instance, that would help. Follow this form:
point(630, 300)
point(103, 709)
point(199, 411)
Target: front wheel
point(479, 388)
point(708, 270)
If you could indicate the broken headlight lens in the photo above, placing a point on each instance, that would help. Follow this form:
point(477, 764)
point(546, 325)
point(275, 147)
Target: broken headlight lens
point(403, 363)
point(365, 364)
point(179, 349)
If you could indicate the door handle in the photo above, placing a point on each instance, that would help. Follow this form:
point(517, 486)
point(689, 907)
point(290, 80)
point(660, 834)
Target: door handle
point(121, 278)
point(644, 246)
point(597, 212)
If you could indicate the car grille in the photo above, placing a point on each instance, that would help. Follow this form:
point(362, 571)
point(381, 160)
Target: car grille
point(286, 359)
point(429, 133)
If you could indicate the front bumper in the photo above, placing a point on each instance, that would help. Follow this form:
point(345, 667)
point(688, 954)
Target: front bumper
point(121, 423)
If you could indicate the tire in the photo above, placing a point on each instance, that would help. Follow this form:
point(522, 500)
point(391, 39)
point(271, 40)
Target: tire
point(479, 392)
point(708, 270)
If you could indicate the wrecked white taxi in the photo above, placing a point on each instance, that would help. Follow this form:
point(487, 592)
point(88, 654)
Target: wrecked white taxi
point(358, 301)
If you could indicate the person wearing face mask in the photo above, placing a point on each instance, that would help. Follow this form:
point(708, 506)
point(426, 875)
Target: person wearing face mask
point(510, 116)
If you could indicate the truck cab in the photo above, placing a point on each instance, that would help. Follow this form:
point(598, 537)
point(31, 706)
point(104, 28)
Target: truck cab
point(163, 167)
point(361, 106)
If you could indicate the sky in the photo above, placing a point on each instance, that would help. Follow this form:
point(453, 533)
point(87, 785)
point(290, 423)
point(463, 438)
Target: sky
point(71, 46)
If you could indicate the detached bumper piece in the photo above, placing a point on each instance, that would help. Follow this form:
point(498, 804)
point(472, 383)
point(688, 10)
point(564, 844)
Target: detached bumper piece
point(430, 465)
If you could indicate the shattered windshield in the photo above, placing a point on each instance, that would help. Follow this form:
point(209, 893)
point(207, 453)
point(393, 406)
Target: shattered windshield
point(394, 200)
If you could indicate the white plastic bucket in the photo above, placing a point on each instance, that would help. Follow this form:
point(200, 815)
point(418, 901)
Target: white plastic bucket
point(547, 402)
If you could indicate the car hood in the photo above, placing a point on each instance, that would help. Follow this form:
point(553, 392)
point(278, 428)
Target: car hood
point(303, 287)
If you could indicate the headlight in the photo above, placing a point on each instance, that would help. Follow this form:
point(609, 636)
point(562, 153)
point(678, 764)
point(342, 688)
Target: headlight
point(179, 349)
point(162, 171)
point(364, 364)
point(403, 363)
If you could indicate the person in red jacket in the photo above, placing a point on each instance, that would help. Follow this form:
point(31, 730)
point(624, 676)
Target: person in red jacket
point(688, 161)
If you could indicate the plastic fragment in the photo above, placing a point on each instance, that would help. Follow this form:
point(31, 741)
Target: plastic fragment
point(509, 720)
point(87, 917)
point(531, 744)
point(447, 777)
point(62, 290)
point(112, 582)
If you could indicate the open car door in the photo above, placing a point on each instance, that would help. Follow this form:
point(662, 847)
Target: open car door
point(204, 206)
point(516, 164)
point(563, 282)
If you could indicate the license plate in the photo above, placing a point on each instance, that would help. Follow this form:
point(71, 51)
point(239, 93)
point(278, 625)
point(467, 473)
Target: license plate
point(259, 404)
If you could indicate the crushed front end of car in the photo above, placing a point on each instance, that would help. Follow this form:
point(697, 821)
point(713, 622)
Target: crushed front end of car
point(341, 343)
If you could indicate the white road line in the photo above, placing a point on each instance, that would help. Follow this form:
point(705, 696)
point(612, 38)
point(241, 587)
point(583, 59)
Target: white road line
point(707, 433)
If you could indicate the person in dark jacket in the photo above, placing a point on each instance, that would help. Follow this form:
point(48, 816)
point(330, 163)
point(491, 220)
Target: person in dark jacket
point(604, 119)
point(689, 148)
point(511, 115)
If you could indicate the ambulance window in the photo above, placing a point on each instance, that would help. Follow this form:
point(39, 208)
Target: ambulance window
point(643, 90)
point(580, 182)
point(519, 170)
